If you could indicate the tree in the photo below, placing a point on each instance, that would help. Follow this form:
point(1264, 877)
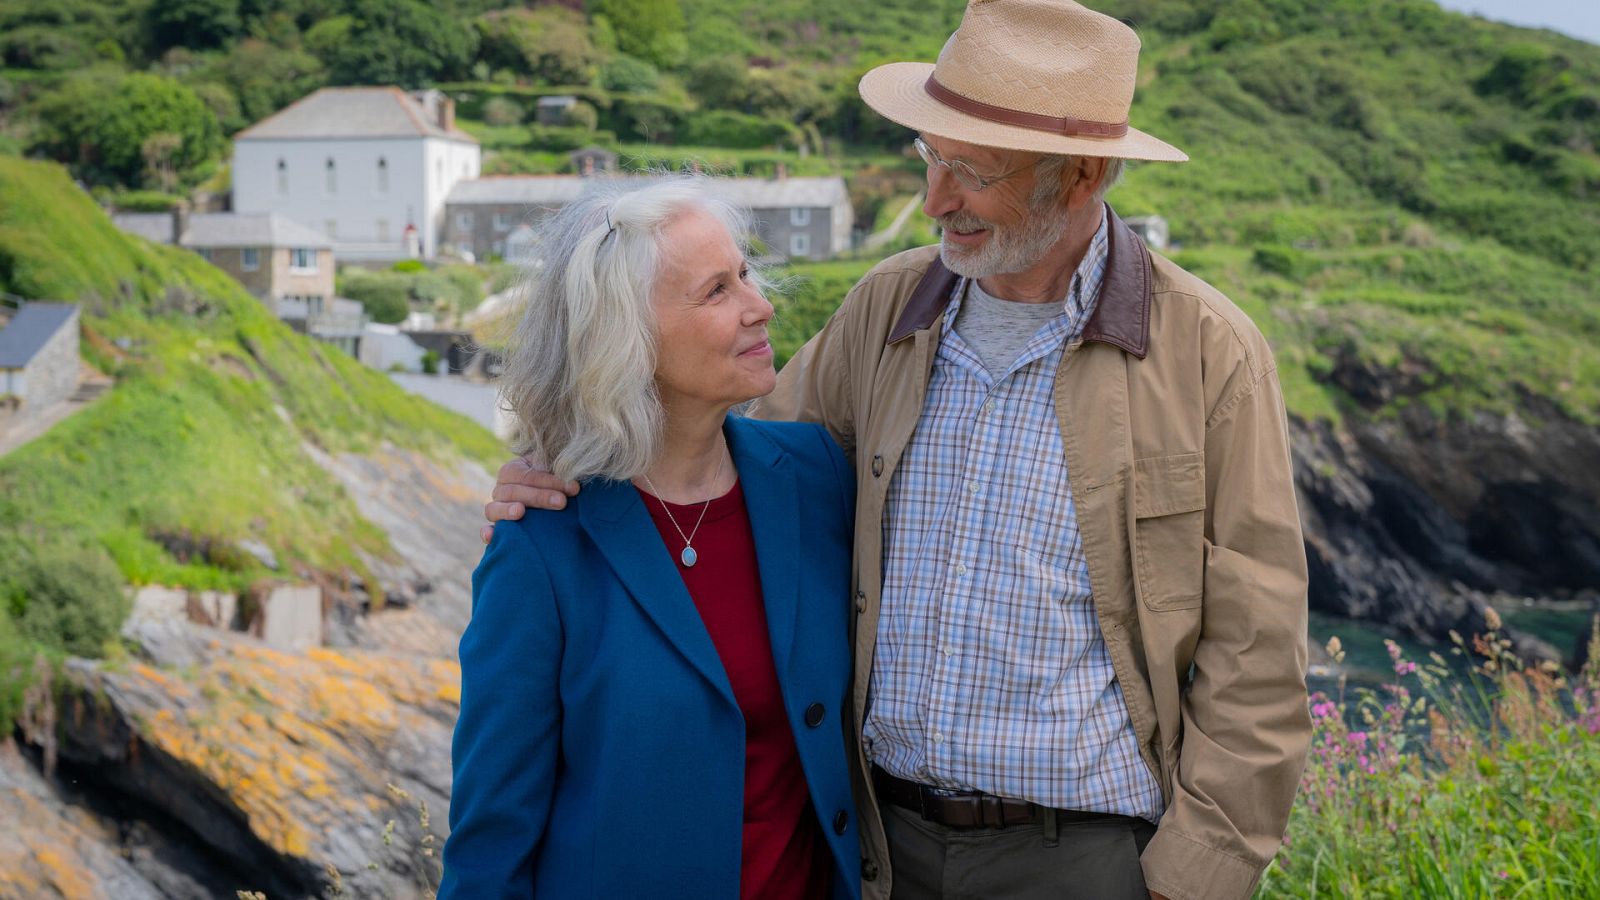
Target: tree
point(100, 122)
point(198, 24)
point(401, 42)
point(502, 111)
point(550, 43)
point(265, 78)
point(651, 30)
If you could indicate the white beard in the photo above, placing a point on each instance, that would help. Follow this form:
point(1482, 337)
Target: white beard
point(1011, 249)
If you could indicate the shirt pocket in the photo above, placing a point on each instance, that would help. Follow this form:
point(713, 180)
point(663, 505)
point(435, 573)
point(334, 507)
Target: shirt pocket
point(1169, 530)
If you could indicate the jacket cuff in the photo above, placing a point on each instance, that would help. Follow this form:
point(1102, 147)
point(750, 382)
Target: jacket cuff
point(1184, 869)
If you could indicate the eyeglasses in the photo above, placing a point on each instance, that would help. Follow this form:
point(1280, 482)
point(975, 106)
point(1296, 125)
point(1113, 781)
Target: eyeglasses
point(963, 171)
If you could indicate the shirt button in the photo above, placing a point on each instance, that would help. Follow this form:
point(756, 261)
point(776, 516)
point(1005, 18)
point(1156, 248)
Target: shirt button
point(938, 738)
point(949, 652)
point(972, 487)
point(961, 568)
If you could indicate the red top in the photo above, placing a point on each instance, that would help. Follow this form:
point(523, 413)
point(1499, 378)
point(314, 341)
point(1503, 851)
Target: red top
point(784, 854)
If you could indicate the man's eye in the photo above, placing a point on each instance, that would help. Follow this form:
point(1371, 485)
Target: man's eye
point(720, 288)
point(744, 274)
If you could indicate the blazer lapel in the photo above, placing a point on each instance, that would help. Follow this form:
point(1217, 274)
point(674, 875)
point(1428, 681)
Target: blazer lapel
point(773, 501)
point(616, 520)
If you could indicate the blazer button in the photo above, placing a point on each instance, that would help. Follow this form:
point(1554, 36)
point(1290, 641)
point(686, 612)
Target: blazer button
point(841, 819)
point(869, 870)
point(814, 714)
point(861, 601)
point(877, 466)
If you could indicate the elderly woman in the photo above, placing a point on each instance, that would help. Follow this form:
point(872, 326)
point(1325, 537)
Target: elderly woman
point(652, 677)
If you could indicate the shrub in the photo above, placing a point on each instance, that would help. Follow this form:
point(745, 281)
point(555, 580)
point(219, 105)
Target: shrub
point(720, 128)
point(502, 111)
point(385, 295)
point(61, 593)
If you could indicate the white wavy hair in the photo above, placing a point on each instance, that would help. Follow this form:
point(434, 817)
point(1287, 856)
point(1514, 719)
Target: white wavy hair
point(580, 369)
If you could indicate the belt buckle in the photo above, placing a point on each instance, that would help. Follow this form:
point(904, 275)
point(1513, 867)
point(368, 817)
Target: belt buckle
point(990, 804)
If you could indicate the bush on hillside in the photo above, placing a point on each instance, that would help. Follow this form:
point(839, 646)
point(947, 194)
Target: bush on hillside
point(128, 129)
point(719, 128)
point(61, 593)
point(561, 139)
point(384, 295)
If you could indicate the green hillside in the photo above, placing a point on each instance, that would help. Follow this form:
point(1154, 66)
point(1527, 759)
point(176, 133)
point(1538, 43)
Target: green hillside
point(201, 442)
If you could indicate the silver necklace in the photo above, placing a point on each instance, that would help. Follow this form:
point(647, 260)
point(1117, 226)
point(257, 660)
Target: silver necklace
point(688, 556)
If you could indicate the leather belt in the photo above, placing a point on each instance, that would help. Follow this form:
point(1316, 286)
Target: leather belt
point(970, 809)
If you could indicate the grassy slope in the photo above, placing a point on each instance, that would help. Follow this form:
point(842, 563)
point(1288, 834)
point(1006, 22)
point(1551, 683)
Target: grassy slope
point(1381, 185)
point(203, 432)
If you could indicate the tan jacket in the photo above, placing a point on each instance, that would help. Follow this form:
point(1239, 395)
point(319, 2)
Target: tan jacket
point(1174, 431)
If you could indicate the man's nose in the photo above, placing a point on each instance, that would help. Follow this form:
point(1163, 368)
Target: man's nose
point(944, 194)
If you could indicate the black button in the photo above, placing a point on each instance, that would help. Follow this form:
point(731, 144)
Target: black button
point(840, 820)
point(869, 870)
point(877, 466)
point(861, 601)
point(814, 714)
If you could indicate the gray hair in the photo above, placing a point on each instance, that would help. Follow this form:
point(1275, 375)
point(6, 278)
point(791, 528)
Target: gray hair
point(1047, 177)
point(580, 369)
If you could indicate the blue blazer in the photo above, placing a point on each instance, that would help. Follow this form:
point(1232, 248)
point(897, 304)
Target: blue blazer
point(600, 752)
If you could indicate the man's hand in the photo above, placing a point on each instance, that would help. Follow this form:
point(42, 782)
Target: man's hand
point(520, 486)
point(1156, 896)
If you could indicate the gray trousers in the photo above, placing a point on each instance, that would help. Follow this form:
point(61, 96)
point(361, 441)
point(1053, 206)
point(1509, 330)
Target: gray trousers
point(1096, 860)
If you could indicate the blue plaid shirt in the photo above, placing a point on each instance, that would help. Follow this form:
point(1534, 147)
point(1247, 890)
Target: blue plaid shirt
point(991, 673)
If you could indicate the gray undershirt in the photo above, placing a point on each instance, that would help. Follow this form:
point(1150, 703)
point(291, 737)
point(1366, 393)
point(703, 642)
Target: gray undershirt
point(997, 330)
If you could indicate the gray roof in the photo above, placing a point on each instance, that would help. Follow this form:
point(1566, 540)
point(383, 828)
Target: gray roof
point(157, 227)
point(31, 328)
point(554, 190)
point(250, 230)
point(352, 112)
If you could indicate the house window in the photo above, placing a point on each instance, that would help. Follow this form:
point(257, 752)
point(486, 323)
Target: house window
point(502, 222)
point(383, 231)
point(333, 177)
point(383, 175)
point(464, 222)
point(302, 260)
point(205, 253)
point(800, 244)
point(438, 174)
point(283, 177)
point(331, 227)
point(250, 259)
point(799, 217)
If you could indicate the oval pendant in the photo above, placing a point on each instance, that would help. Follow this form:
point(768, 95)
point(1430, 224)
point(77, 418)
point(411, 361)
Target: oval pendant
point(688, 556)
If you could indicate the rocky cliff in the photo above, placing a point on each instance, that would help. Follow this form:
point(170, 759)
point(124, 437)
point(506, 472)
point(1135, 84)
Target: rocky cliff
point(207, 762)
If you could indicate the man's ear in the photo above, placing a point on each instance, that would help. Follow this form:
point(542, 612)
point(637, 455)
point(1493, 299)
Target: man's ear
point(1083, 178)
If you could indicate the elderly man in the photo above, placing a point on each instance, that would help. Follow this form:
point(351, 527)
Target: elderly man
point(1080, 581)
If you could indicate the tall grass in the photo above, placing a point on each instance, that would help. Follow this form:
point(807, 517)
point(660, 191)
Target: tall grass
point(1469, 776)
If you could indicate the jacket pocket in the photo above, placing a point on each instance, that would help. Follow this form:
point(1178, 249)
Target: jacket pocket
point(1169, 530)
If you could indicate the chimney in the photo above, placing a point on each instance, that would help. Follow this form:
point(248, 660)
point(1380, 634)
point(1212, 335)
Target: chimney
point(447, 113)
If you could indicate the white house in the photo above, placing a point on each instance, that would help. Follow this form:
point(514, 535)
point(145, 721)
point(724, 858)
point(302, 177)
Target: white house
point(361, 164)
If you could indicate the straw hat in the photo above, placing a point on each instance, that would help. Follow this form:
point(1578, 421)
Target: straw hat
point(1047, 76)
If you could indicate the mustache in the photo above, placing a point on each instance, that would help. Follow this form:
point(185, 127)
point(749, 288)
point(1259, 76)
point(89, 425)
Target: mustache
point(963, 221)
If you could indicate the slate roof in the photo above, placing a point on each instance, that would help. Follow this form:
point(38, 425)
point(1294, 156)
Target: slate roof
point(554, 190)
point(31, 328)
point(250, 230)
point(352, 112)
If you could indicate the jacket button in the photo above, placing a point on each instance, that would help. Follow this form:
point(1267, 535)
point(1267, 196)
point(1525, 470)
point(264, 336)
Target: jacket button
point(861, 601)
point(869, 870)
point(877, 466)
point(840, 820)
point(814, 714)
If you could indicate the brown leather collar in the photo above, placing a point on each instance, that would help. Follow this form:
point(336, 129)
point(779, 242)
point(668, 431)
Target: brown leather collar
point(1121, 317)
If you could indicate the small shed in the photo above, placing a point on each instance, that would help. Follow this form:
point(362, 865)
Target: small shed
point(1152, 228)
point(553, 110)
point(588, 161)
point(39, 354)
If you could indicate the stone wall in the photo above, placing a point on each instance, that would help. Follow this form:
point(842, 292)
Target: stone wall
point(52, 375)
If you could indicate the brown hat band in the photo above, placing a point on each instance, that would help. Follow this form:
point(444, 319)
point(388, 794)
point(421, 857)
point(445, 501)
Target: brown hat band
point(1054, 124)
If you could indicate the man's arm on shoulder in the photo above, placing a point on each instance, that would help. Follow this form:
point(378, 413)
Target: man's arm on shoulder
point(1246, 726)
point(521, 485)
